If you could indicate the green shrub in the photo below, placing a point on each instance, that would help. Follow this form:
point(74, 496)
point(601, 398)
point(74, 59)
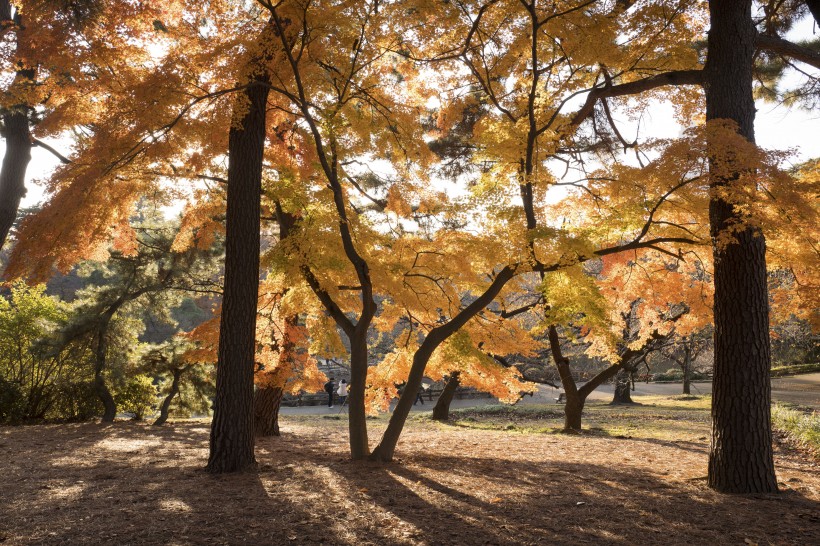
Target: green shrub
point(137, 396)
point(76, 401)
point(12, 403)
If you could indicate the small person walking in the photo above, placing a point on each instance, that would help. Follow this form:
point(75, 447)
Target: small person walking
point(342, 392)
point(330, 388)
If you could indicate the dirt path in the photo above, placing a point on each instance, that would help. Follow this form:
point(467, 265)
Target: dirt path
point(135, 484)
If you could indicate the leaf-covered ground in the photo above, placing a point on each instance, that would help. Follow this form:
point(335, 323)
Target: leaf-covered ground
point(510, 480)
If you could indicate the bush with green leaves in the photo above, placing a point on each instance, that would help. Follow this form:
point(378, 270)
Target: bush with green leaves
point(138, 396)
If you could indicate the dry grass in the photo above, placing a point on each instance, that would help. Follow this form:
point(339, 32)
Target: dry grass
point(134, 484)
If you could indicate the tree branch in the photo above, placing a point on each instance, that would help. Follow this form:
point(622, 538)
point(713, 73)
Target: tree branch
point(789, 49)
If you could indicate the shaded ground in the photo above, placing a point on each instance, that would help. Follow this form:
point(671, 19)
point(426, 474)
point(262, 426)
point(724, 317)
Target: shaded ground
point(508, 483)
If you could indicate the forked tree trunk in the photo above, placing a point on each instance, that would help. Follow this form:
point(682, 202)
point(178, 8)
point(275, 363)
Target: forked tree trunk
point(232, 428)
point(573, 410)
point(165, 408)
point(441, 411)
point(266, 402)
point(740, 458)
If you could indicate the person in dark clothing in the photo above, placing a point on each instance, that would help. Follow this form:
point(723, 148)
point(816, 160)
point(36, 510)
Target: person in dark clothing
point(330, 388)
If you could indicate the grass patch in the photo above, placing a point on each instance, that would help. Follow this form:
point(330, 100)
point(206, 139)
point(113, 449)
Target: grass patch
point(657, 417)
point(780, 371)
point(800, 427)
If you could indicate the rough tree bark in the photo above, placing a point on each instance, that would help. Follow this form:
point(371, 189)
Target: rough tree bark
point(232, 428)
point(441, 411)
point(165, 408)
point(16, 132)
point(740, 458)
point(266, 402)
point(623, 385)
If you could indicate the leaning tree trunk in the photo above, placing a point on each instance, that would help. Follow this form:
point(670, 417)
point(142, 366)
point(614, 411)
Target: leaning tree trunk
point(740, 458)
point(165, 408)
point(441, 411)
point(623, 386)
point(232, 428)
point(266, 402)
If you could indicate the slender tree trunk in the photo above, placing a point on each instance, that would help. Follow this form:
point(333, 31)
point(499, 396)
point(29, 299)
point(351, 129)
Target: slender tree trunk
point(622, 388)
point(357, 416)
point(266, 402)
point(109, 405)
point(740, 459)
point(166, 403)
point(232, 428)
point(441, 411)
point(687, 368)
point(387, 446)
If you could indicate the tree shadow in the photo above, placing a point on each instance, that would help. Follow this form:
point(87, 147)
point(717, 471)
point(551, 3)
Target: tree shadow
point(132, 484)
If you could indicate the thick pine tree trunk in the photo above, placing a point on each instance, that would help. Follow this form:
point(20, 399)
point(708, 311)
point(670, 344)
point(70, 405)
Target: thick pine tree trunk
point(441, 411)
point(16, 133)
point(266, 402)
point(740, 459)
point(165, 408)
point(13, 173)
point(232, 428)
point(623, 385)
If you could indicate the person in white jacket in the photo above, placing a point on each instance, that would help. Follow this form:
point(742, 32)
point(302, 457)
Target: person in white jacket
point(342, 392)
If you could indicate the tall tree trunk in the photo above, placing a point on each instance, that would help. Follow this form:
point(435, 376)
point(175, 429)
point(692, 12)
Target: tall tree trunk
point(232, 428)
point(16, 133)
point(357, 415)
point(441, 411)
point(266, 402)
point(623, 387)
point(687, 368)
point(166, 403)
point(740, 458)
